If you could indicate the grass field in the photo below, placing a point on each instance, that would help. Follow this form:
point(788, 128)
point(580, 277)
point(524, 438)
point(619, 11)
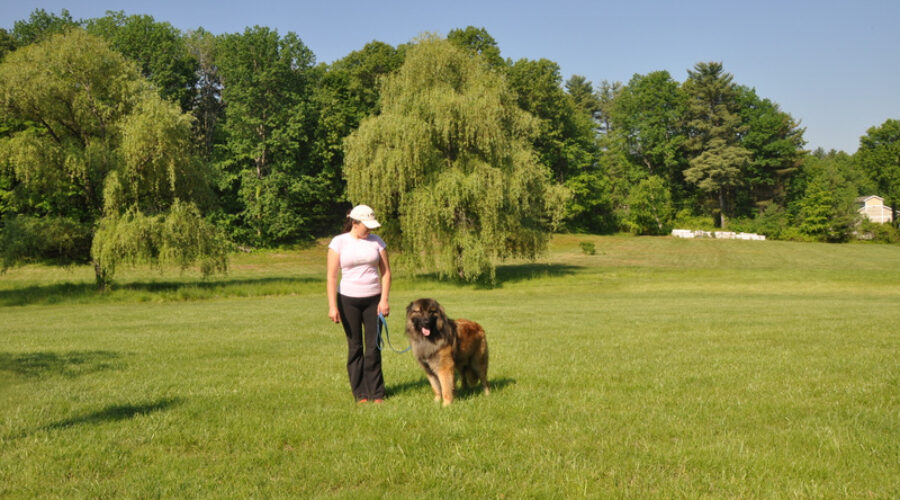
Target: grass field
point(656, 368)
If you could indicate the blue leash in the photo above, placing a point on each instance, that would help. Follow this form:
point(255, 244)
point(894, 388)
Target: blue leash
point(382, 325)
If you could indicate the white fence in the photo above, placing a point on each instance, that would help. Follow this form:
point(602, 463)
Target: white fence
point(719, 235)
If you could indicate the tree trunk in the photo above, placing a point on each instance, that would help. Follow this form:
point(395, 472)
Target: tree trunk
point(460, 270)
point(722, 222)
point(102, 277)
point(261, 160)
point(894, 222)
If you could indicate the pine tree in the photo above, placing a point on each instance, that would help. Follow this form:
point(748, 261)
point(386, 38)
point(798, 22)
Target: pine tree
point(714, 130)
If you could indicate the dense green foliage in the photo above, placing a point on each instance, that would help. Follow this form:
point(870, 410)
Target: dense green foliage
point(235, 386)
point(879, 157)
point(267, 159)
point(55, 238)
point(159, 49)
point(347, 92)
point(827, 208)
point(266, 94)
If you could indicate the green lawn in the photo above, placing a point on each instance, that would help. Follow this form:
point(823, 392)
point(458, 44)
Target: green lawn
point(656, 368)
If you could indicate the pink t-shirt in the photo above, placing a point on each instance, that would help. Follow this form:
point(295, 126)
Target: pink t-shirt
point(359, 264)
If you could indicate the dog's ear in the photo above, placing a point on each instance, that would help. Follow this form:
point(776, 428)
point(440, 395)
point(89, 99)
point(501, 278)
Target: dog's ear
point(409, 307)
point(441, 318)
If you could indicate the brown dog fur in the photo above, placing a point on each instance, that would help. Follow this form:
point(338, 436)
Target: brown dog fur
point(449, 345)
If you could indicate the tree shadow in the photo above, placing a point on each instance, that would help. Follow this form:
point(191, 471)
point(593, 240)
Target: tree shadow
point(172, 286)
point(45, 364)
point(44, 294)
point(508, 274)
point(527, 272)
point(67, 292)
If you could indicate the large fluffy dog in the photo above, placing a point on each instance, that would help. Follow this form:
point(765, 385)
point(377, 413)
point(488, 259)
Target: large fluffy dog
point(441, 345)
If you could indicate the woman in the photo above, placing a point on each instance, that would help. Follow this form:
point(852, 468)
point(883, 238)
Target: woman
point(363, 294)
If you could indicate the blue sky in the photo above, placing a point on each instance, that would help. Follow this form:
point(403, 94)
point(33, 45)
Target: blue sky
point(833, 65)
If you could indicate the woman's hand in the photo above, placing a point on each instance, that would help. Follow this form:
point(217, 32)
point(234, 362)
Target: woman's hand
point(383, 308)
point(334, 314)
point(384, 266)
point(332, 265)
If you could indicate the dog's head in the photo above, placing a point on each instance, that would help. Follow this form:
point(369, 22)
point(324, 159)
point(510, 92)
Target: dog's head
point(425, 316)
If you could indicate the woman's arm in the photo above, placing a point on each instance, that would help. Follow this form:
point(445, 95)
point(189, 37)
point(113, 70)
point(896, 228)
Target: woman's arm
point(334, 260)
point(384, 266)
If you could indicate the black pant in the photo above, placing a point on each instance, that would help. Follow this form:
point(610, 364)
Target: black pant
point(363, 367)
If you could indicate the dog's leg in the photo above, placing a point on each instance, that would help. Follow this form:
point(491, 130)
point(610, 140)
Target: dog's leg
point(473, 376)
point(433, 380)
point(465, 375)
point(482, 367)
point(445, 376)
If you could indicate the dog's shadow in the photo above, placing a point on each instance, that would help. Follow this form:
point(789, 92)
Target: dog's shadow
point(421, 384)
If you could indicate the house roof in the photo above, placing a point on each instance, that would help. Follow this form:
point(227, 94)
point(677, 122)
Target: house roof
point(866, 198)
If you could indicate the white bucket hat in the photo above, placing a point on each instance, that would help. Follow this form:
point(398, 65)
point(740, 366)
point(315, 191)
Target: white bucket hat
point(364, 214)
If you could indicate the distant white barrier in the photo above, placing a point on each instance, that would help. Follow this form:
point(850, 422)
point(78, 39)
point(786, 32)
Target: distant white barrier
point(719, 235)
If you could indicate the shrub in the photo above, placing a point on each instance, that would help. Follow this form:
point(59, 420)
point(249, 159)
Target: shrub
point(650, 209)
point(685, 219)
point(773, 222)
point(56, 239)
point(880, 233)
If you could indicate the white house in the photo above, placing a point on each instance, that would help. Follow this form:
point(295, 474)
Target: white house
point(873, 208)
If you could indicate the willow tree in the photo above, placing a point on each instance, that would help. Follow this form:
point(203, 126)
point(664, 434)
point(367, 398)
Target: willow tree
point(95, 153)
point(448, 166)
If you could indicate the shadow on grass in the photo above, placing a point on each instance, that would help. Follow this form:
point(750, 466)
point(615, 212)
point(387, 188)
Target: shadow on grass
point(113, 413)
point(72, 292)
point(421, 384)
point(511, 274)
point(46, 364)
point(496, 385)
point(391, 390)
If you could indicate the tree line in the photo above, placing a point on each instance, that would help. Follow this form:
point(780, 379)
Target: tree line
point(123, 139)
